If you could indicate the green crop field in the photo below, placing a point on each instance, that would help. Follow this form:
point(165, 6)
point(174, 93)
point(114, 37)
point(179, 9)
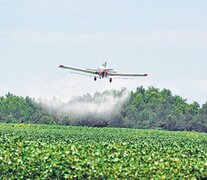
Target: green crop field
point(63, 152)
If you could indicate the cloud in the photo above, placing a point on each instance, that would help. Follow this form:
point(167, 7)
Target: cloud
point(100, 105)
point(62, 95)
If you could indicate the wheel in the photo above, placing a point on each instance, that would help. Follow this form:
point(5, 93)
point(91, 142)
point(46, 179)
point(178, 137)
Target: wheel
point(110, 80)
point(95, 78)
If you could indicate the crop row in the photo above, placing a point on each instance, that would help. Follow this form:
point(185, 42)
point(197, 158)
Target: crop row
point(59, 152)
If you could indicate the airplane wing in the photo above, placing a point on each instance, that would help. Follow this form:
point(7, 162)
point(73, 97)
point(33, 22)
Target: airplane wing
point(127, 74)
point(91, 71)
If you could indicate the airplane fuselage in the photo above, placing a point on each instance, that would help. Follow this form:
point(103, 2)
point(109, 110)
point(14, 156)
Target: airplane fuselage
point(103, 73)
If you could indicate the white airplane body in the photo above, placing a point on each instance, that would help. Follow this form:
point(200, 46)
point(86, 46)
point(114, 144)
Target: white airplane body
point(102, 72)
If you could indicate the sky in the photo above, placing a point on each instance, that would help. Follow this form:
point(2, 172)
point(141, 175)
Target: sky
point(166, 39)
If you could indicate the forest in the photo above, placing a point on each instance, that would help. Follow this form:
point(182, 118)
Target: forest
point(149, 108)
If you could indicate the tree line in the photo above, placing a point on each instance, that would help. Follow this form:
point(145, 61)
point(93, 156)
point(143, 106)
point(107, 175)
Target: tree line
point(153, 108)
point(145, 108)
point(15, 109)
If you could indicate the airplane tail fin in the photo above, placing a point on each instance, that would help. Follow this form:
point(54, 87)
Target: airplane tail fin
point(104, 64)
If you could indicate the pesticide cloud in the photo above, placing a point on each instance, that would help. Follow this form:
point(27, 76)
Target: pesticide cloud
point(100, 105)
point(80, 96)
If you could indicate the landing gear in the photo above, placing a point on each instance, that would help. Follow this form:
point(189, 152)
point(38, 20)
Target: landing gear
point(95, 78)
point(110, 80)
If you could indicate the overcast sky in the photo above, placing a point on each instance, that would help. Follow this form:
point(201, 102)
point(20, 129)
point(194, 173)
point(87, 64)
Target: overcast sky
point(166, 39)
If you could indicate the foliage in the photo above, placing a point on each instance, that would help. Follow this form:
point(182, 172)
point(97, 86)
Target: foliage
point(146, 109)
point(153, 108)
point(20, 110)
point(64, 152)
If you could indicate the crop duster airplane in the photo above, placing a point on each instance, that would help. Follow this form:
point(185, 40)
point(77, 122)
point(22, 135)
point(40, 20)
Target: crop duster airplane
point(102, 72)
